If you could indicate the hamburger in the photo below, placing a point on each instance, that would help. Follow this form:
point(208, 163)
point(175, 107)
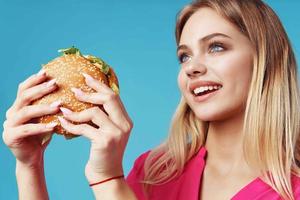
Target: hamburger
point(67, 69)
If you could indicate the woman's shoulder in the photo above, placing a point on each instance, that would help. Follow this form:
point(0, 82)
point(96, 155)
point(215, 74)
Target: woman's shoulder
point(137, 171)
point(140, 160)
point(137, 174)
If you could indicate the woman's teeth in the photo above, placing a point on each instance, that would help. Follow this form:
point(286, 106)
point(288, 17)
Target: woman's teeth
point(203, 89)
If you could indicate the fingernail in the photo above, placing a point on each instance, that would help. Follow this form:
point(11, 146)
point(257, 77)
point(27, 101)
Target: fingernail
point(55, 104)
point(41, 72)
point(51, 125)
point(62, 120)
point(88, 77)
point(50, 83)
point(65, 111)
point(77, 91)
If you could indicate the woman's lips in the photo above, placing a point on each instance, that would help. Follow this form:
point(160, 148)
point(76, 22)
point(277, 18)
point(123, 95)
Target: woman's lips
point(202, 98)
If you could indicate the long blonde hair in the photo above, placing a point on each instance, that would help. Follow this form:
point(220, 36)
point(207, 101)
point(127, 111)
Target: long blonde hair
point(272, 116)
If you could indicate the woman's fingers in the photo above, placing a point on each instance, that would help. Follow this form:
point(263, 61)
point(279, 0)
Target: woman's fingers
point(34, 93)
point(32, 81)
point(28, 83)
point(80, 129)
point(102, 138)
point(111, 102)
point(95, 84)
point(29, 112)
point(106, 133)
point(95, 114)
point(26, 130)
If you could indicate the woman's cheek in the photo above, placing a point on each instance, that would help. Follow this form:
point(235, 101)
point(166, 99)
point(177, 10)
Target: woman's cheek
point(181, 82)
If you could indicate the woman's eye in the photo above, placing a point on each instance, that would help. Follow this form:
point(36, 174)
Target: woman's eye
point(216, 47)
point(183, 58)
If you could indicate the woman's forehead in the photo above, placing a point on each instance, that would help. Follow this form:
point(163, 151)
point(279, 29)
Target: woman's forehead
point(205, 22)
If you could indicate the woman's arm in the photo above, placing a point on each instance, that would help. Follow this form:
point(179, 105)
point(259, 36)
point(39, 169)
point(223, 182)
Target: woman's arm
point(108, 141)
point(31, 182)
point(25, 139)
point(113, 190)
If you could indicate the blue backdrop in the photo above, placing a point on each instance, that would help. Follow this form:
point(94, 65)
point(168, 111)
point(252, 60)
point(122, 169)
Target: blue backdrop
point(135, 37)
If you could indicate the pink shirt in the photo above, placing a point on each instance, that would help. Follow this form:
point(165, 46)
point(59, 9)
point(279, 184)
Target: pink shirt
point(186, 186)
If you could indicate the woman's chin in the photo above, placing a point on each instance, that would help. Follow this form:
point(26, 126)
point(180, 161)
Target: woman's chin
point(206, 117)
point(209, 116)
point(217, 116)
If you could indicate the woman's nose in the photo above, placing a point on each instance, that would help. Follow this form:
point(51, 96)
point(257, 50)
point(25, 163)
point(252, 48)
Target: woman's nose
point(195, 70)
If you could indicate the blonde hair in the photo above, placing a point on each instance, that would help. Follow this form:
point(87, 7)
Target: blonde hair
point(272, 116)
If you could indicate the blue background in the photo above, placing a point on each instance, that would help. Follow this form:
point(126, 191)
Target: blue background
point(135, 37)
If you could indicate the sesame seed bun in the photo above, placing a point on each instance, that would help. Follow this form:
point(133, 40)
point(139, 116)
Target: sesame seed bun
point(67, 70)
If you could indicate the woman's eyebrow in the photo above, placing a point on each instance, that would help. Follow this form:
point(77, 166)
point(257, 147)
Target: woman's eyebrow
point(208, 37)
point(205, 38)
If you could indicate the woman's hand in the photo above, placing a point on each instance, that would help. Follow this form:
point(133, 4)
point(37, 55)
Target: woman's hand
point(22, 137)
point(108, 142)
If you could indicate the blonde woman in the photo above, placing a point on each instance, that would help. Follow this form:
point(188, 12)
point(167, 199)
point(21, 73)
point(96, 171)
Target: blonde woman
point(234, 134)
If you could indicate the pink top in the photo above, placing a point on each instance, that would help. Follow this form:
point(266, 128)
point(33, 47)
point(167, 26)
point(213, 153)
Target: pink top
point(186, 186)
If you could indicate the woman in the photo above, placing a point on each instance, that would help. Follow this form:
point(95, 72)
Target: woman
point(234, 134)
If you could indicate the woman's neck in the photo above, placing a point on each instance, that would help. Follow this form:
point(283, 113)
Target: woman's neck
point(224, 144)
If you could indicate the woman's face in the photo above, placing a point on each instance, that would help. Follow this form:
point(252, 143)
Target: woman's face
point(216, 60)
